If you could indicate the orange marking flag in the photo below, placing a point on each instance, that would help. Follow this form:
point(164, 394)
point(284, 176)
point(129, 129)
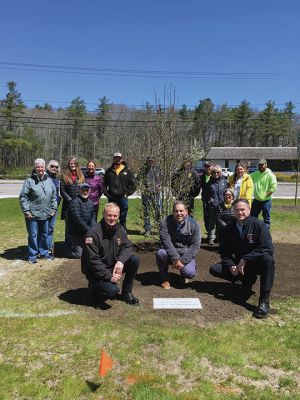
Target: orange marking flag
point(106, 363)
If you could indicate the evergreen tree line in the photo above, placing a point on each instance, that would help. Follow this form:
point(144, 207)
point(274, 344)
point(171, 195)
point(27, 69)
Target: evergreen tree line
point(27, 133)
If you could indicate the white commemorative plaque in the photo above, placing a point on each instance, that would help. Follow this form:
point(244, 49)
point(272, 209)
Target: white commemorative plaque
point(176, 303)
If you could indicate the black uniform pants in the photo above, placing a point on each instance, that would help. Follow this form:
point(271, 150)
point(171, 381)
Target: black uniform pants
point(109, 290)
point(262, 265)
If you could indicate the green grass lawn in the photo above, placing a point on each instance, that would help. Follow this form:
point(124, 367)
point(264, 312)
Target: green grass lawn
point(44, 355)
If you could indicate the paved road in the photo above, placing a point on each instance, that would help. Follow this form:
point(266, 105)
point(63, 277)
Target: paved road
point(12, 188)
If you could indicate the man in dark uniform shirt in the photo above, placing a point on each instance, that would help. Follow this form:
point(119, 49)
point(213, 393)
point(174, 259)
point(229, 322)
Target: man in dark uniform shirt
point(247, 251)
point(107, 254)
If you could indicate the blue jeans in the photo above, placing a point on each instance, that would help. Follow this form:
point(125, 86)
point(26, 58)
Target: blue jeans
point(37, 238)
point(151, 205)
point(123, 204)
point(212, 220)
point(51, 223)
point(265, 207)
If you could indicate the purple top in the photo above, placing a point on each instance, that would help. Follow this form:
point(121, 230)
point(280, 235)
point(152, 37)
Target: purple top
point(96, 187)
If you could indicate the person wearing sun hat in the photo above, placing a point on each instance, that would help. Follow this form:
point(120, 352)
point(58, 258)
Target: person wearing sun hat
point(265, 184)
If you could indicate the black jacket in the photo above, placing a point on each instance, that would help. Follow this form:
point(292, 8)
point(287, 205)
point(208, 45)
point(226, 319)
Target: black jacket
point(255, 241)
point(214, 193)
point(119, 186)
point(203, 185)
point(102, 249)
point(81, 216)
point(224, 216)
point(68, 193)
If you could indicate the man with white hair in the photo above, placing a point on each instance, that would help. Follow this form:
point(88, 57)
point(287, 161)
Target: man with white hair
point(38, 203)
point(107, 254)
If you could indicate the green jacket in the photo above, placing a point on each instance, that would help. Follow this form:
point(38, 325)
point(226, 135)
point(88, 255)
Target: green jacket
point(264, 182)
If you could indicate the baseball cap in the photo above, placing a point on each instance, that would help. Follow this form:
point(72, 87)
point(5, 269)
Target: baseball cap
point(208, 163)
point(117, 155)
point(262, 161)
point(84, 186)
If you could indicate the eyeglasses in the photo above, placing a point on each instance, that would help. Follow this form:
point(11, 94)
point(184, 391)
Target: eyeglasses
point(216, 172)
point(54, 166)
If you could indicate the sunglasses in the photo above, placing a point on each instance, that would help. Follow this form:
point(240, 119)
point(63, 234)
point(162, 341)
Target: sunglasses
point(54, 166)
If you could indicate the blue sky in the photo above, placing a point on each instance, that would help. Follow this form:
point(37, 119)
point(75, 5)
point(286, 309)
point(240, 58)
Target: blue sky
point(258, 38)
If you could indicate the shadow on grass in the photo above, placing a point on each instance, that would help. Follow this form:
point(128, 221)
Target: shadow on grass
point(83, 297)
point(80, 296)
point(20, 252)
point(93, 386)
point(224, 291)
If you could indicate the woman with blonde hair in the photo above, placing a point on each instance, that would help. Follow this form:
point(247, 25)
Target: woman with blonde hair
point(70, 183)
point(241, 183)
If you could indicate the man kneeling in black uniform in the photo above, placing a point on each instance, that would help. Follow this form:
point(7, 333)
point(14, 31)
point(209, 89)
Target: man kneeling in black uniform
point(107, 253)
point(247, 251)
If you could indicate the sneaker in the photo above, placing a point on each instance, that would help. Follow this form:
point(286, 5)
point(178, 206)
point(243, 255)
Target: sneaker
point(262, 311)
point(166, 285)
point(34, 261)
point(49, 257)
point(187, 281)
point(211, 243)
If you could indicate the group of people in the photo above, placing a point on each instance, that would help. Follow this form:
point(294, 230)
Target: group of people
point(219, 193)
point(80, 193)
point(106, 253)
point(246, 252)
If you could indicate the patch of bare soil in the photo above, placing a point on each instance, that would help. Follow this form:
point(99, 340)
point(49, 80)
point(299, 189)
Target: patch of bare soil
point(220, 299)
point(287, 207)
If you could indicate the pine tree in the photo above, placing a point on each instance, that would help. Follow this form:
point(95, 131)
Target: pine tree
point(77, 113)
point(12, 106)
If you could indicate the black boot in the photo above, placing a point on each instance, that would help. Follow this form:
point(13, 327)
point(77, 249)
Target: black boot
point(263, 308)
point(129, 298)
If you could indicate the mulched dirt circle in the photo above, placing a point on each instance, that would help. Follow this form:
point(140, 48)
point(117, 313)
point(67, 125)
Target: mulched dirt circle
point(220, 299)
